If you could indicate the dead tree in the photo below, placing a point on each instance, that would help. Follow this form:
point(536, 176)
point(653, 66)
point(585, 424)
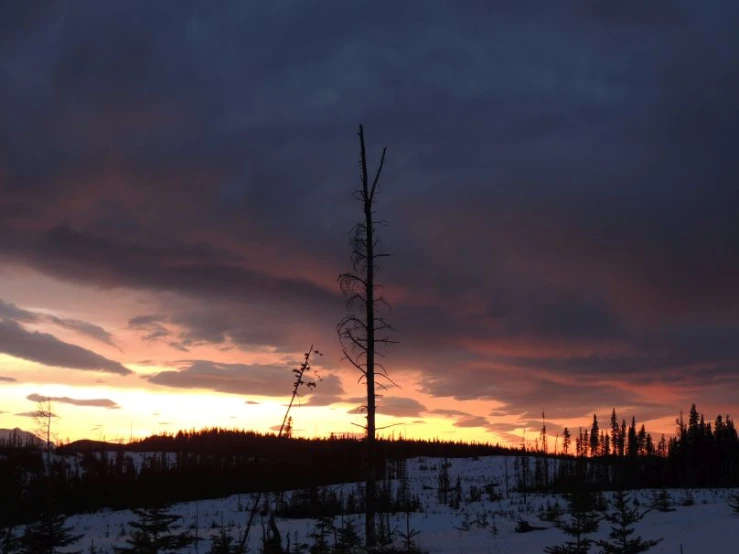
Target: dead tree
point(42, 418)
point(362, 330)
point(302, 379)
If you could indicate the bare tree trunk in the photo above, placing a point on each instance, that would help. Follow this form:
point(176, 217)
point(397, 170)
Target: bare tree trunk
point(359, 333)
point(371, 484)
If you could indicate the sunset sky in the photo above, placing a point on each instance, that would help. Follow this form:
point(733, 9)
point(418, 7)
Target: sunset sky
point(561, 197)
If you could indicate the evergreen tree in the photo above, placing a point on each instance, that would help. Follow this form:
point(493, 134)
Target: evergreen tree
point(633, 444)
point(641, 441)
point(649, 449)
point(733, 501)
point(222, 543)
point(49, 536)
point(287, 431)
point(614, 432)
point(9, 543)
point(456, 500)
point(622, 520)
point(321, 532)
point(622, 439)
point(581, 522)
point(349, 540)
point(662, 501)
point(662, 447)
point(154, 533)
point(566, 438)
point(605, 443)
point(594, 436)
point(444, 482)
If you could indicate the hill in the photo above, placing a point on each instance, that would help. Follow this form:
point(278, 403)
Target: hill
point(19, 437)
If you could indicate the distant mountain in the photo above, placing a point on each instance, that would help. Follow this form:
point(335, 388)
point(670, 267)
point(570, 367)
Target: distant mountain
point(87, 445)
point(19, 437)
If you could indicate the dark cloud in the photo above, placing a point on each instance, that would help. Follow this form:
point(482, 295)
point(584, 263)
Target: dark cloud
point(471, 421)
point(322, 400)
point(151, 325)
point(400, 407)
point(14, 313)
point(11, 311)
point(449, 413)
point(35, 414)
point(254, 379)
point(179, 346)
point(46, 349)
point(560, 185)
point(527, 396)
point(85, 328)
point(8, 379)
point(85, 402)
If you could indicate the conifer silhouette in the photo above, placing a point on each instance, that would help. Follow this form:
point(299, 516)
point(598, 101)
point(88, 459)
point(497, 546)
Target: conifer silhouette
point(154, 533)
point(733, 501)
point(582, 521)
point(9, 543)
point(49, 536)
point(622, 520)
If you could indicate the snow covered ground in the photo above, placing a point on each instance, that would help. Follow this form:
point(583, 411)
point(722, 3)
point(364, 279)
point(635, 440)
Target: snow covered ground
point(485, 526)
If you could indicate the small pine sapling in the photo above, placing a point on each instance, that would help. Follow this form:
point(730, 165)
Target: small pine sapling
point(349, 541)
point(386, 533)
point(582, 522)
point(48, 535)
point(155, 532)
point(409, 535)
point(222, 543)
point(321, 533)
point(444, 483)
point(662, 501)
point(552, 512)
point(9, 543)
point(733, 502)
point(622, 520)
point(456, 500)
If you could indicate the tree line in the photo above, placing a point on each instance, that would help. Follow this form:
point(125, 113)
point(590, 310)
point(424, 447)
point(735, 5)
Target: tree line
point(211, 463)
point(700, 454)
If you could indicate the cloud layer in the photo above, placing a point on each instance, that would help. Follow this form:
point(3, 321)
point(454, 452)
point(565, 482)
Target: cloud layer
point(46, 349)
point(560, 189)
point(244, 379)
point(85, 402)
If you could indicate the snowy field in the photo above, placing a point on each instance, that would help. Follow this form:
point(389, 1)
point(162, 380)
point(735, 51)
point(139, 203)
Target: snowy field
point(484, 526)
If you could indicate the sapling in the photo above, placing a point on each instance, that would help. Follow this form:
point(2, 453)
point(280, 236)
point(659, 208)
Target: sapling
point(662, 501)
point(155, 532)
point(582, 522)
point(301, 380)
point(48, 535)
point(622, 520)
point(733, 502)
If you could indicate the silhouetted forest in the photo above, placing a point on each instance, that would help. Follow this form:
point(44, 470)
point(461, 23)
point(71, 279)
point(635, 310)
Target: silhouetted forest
point(700, 454)
point(86, 476)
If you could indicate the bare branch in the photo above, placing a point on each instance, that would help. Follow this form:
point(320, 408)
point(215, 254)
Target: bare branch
point(379, 171)
point(388, 426)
